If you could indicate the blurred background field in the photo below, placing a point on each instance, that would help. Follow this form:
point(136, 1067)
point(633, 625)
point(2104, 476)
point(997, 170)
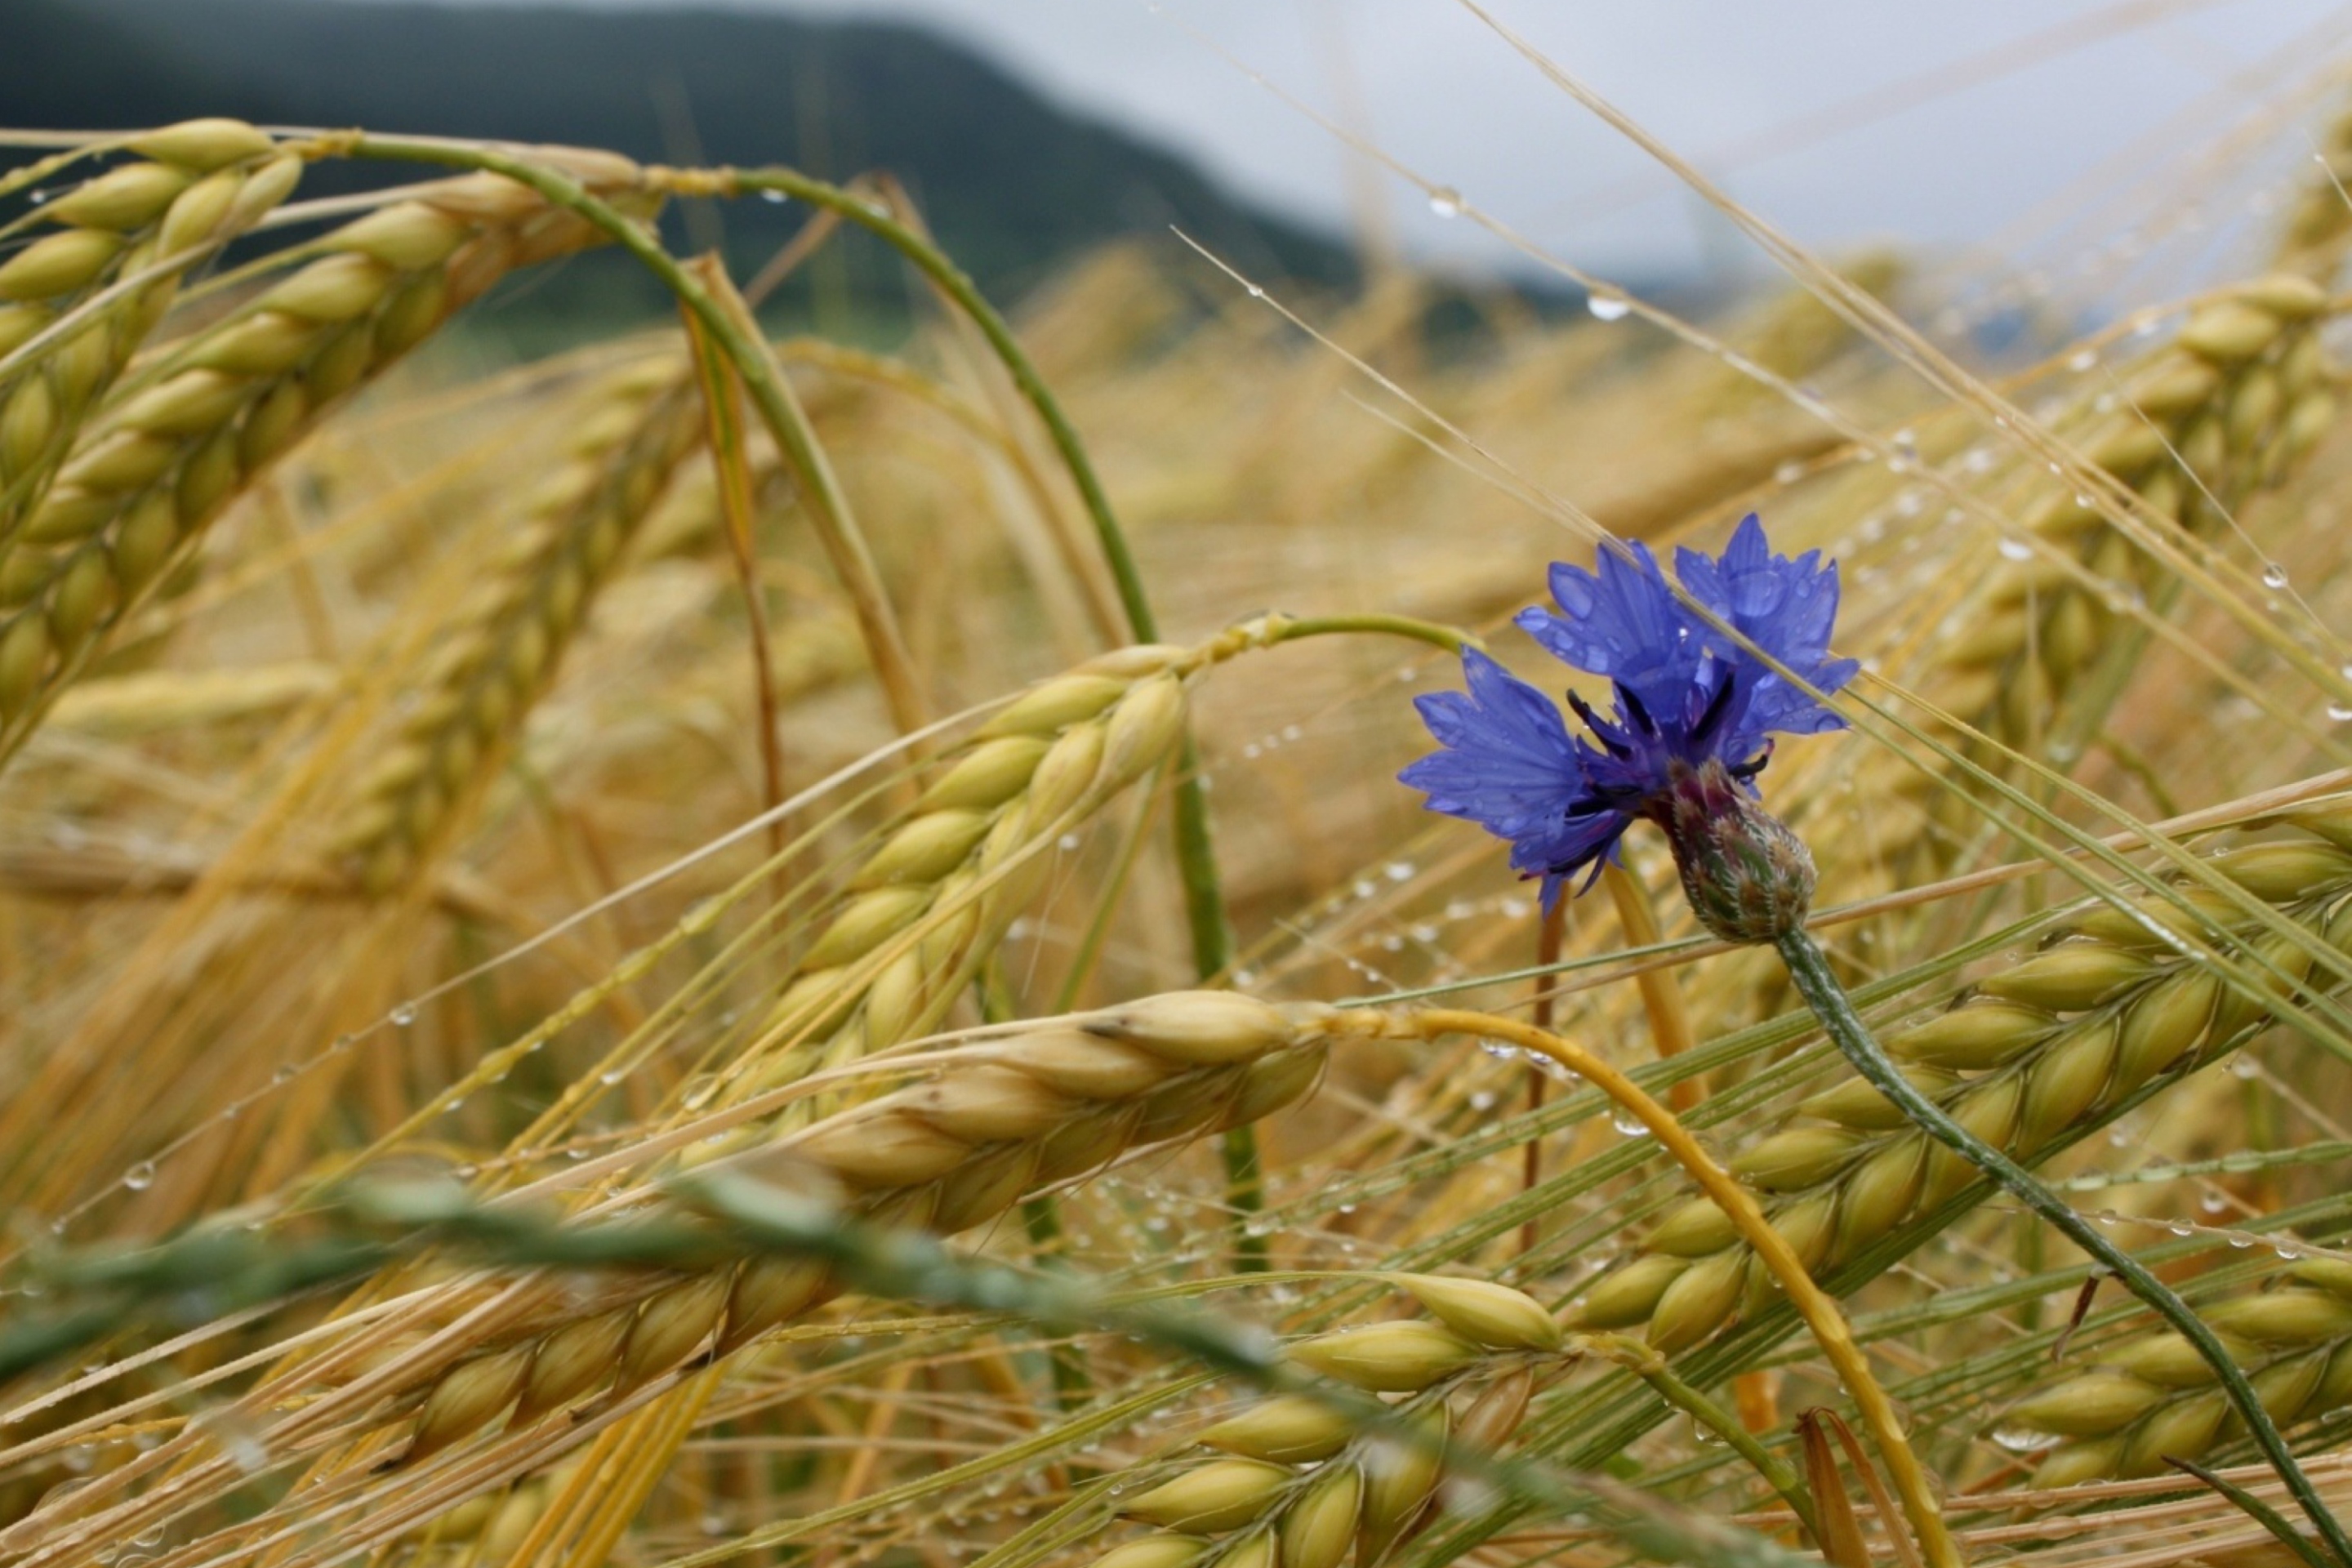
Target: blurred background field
point(424, 757)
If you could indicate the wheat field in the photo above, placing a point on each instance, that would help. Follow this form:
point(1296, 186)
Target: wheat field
point(735, 949)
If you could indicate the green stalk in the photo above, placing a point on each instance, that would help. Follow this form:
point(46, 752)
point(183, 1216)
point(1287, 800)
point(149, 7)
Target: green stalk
point(1809, 968)
point(1650, 1367)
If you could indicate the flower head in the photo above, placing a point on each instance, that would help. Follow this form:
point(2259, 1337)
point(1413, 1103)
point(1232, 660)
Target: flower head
point(1694, 714)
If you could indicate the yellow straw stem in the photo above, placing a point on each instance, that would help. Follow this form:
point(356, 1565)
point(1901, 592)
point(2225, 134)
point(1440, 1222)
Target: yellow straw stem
point(1820, 1314)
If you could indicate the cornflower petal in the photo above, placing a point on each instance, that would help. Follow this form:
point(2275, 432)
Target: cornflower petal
point(1507, 763)
point(1623, 622)
point(1696, 707)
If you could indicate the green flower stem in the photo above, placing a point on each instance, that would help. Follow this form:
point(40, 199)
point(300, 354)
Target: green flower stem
point(1809, 968)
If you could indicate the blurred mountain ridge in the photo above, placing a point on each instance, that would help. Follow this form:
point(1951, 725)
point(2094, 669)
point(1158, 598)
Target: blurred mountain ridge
point(1013, 186)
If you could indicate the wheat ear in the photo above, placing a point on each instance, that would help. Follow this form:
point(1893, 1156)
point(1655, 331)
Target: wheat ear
point(2033, 1055)
point(491, 666)
point(2154, 1398)
point(194, 187)
point(149, 475)
point(2228, 408)
point(1013, 1117)
point(1296, 1483)
point(927, 907)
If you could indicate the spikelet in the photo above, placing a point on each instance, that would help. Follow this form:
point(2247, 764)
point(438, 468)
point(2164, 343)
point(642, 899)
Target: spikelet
point(2238, 397)
point(146, 478)
point(2153, 1396)
point(1291, 1472)
point(957, 1149)
point(2110, 1009)
point(191, 186)
point(967, 861)
point(500, 654)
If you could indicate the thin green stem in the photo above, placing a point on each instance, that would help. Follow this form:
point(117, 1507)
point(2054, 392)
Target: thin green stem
point(1651, 1368)
point(1289, 628)
point(1809, 968)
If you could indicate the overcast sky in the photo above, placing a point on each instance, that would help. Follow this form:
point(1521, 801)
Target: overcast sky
point(1981, 126)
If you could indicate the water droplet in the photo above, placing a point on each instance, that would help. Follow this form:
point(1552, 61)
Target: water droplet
point(284, 1075)
point(2015, 550)
point(1627, 1123)
point(1067, 842)
point(402, 1016)
point(776, 197)
point(2275, 576)
point(1788, 473)
point(2082, 360)
point(1445, 202)
point(611, 1076)
point(2024, 1439)
point(1905, 445)
point(2212, 1202)
point(1608, 307)
point(1255, 292)
point(140, 1176)
point(2339, 711)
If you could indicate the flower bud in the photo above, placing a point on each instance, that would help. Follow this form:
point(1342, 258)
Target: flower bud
point(1748, 879)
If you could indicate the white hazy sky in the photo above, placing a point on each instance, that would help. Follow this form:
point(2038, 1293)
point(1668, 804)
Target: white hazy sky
point(1979, 125)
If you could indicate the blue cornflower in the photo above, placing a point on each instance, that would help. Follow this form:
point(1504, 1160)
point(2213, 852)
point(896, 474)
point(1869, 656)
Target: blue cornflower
point(1689, 731)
